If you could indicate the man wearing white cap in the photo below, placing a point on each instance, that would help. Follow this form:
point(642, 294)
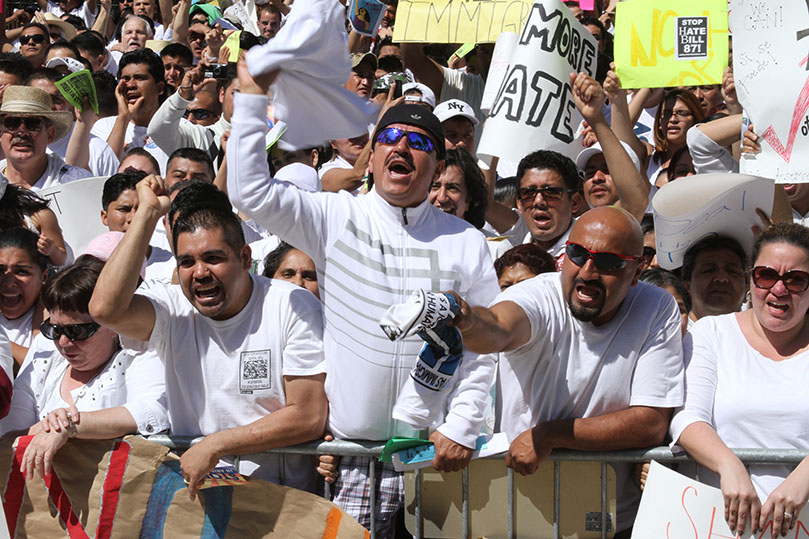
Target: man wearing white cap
point(459, 121)
point(418, 93)
point(27, 125)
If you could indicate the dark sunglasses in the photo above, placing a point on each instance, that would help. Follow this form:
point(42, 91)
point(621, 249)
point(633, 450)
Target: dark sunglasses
point(794, 281)
point(36, 38)
point(198, 114)
point(529, 194)
point(32, 123)
point(417, 141)
point(74, 332)
point(603, 260)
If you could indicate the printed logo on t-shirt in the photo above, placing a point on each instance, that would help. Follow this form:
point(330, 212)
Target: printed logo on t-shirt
point(254, 371)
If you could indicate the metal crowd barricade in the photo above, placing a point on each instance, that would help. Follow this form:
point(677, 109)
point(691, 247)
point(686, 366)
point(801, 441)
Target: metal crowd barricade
point(373, 449)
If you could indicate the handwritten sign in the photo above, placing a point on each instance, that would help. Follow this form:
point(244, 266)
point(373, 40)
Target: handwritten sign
point(76, 86)
point(674, 506)
point(659, 43)
point(458, 21)
point(77, 205)
point(692, 208)
point(770, 45)
point(533, 107)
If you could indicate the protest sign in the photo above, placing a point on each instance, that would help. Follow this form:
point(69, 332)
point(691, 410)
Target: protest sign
point(77, 205)
point(234, 47)
point(501, 58)
point(366, 16)
point(111, 489)
point(676, 507)
point(659, 43)
point(458, 21)
point(534, 106)
point(769, 59)
point(705, 205)
point(76, 86)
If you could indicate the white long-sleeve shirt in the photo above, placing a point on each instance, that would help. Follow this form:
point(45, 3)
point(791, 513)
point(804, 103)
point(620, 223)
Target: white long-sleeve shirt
point(369, 256)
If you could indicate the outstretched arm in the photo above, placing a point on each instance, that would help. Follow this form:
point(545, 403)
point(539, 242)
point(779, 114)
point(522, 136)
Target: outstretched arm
point(427, 71)
point(503, 326)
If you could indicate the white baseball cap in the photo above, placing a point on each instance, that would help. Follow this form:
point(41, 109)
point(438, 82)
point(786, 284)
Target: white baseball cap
point(455, 107)
point(595, 149)
point(427, 95)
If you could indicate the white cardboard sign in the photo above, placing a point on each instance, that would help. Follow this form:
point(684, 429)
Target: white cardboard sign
point(676, 507)
point(77, 205)
point(533, 108)
point(770, 46)
point(696, 207)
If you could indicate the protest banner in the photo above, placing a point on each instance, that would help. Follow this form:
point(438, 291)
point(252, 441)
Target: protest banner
point(533, 107)
point(676, 507)
point(77, 205)
point(532, 499)
point(458, 21)
point(366, 16)
point(76, 86)
point(769, 60)
point(659, 43)
point(134, 488)
point(498, 67)
point(704, 205)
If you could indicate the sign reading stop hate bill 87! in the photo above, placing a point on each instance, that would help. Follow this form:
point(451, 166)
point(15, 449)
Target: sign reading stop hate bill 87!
point(770, 47)
point(659, 43)
point(533, 107)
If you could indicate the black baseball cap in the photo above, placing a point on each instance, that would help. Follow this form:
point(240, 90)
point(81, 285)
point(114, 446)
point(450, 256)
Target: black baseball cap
point(417, 116)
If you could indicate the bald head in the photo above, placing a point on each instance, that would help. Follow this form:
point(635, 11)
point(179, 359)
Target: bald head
point(614, 223)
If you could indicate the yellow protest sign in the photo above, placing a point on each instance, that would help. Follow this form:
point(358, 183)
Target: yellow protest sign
point(660, 43)
point(458, 21)
point(232, 43)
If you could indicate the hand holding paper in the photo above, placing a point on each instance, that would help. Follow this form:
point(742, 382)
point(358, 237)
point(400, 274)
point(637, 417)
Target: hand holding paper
point(423, 310)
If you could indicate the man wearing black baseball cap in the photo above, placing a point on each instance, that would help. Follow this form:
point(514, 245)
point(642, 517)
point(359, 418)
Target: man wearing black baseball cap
point(373, 251)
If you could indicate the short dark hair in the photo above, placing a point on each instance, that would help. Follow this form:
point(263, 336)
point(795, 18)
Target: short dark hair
point(535, 258)
point(274, 258)
point(46, 73)
point(712, 243)
point(476, 189)
point(18, 203)
point(64, 44)
point(117, 184)
point(41, 27)
point(592, 21)
point(662, 278)
point(144, 56)
point(90, 42)
point(267, 7)
point(791, 233)
point(15, 63)
point(248, 40)
point(75, 22)
point(143, 152)
point(179, 50)
point(201, 205)
point(105, 91)
point(647, 223)
point(25, 240)
point(550, 160)
point(72, 287)
point(505, 190)
point(192, 154)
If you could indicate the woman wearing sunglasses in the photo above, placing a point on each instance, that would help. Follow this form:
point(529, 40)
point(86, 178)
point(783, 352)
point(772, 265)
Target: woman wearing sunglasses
point(77, 381)
point(746, 387)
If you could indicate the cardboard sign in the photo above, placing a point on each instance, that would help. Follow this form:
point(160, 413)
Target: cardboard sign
point(704, 205)
point(76, 86)
point(534, 107)
point(676, 507)
point(772, 82)
point(77, 206)
point(366, 16)
point(659, 43)
point(458, 21)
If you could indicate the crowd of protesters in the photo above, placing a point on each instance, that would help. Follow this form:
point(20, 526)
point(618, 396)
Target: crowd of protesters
point(179, 320)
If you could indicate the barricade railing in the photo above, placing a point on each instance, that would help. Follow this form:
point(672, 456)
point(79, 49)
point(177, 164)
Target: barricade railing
point(372, 450)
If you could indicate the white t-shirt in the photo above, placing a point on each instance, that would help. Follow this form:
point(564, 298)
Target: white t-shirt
point(128, 379)
point(707, 154)
point(57, 172)
point(335, 162)
point(573, 369)
point(750, 400)
point(20, 331)
point(83, 12)
point(222, 374)
point(136, 137)
point(103, 161)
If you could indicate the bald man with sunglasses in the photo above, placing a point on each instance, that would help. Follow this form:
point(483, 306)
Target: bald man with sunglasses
point(592, 358)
